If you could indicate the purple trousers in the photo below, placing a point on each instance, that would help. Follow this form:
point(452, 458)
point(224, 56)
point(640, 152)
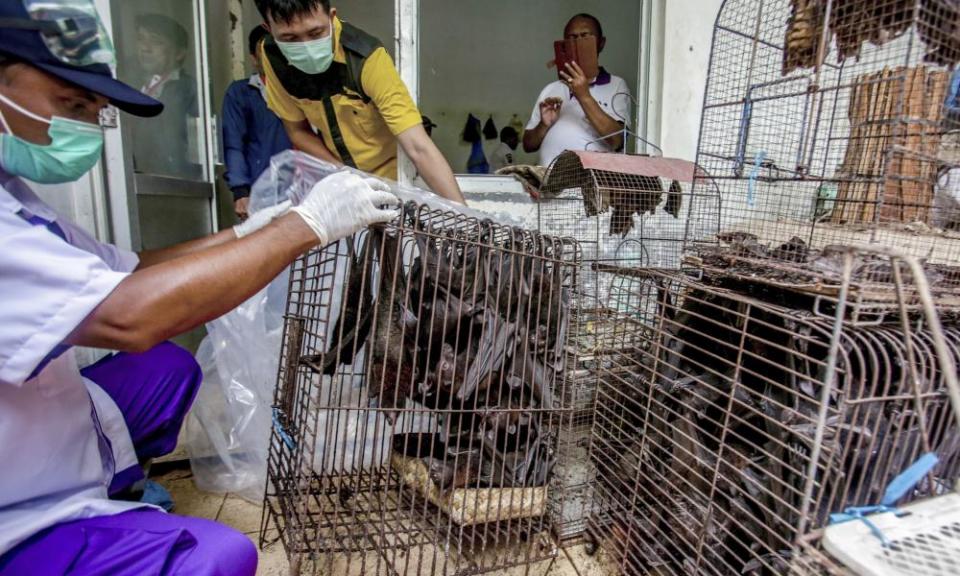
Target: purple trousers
point(154, 391)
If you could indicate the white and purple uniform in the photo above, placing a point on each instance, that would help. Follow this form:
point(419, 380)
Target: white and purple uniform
point(71, 438)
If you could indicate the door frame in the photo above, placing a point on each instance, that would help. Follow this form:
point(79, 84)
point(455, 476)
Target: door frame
point(119, 186)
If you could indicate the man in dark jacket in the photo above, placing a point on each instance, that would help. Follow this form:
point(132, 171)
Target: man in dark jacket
point(252, 134)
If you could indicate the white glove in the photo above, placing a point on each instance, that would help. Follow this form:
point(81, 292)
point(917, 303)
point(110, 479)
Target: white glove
point(259, 219)
point(344, 203)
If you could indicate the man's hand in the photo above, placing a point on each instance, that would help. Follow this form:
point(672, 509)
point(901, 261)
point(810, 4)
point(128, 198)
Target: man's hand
point(576, 80)
point(344, 203)
point(242, 208)
point(550, 111)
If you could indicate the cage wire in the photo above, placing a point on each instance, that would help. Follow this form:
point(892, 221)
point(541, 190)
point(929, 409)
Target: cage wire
point(421, 397)
point(728, 430)
point(824, 124)
point(626, 211)
point(790, 367)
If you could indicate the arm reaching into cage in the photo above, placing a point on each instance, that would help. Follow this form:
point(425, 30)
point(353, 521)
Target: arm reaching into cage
point(174, 296)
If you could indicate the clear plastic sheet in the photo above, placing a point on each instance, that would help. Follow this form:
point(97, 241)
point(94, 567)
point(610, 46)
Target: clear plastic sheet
point(228, 430)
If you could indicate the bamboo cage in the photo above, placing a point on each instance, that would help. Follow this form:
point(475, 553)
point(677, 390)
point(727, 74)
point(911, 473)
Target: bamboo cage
point(890, 168)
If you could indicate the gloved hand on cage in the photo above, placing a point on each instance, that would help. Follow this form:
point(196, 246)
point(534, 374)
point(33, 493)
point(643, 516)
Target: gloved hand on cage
point(345, 203)
point(261, 218)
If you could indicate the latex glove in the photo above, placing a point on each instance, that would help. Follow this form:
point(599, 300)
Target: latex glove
point(344, 203)
point(260, 219)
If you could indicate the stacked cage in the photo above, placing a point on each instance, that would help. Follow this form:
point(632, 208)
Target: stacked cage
point(420, 399)
point(729, 431)
point(626, 211)
point(787, 370)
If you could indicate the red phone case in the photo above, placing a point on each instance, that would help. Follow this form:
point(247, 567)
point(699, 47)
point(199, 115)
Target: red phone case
point(583, 51)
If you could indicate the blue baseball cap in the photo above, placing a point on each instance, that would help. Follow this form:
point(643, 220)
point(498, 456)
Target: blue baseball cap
point(66, 38)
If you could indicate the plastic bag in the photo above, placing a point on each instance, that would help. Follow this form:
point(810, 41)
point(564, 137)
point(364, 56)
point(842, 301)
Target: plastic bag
point(228, 429)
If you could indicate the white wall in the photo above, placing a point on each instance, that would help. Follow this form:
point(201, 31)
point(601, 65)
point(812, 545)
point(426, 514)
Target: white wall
point(687, 40)
point(489, 57)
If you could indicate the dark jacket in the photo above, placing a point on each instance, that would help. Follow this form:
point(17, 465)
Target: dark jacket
point(252, 134)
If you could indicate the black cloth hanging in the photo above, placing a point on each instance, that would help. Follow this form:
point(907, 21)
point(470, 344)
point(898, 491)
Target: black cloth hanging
point(471, 131)
point(490, 130)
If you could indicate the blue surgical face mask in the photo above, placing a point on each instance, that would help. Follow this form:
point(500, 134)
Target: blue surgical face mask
point(74, 149)
point(312, 57)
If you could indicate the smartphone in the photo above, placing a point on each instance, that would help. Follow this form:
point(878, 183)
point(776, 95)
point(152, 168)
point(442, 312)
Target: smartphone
point(583, 51)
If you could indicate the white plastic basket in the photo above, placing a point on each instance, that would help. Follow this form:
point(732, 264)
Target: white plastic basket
point(923, 539)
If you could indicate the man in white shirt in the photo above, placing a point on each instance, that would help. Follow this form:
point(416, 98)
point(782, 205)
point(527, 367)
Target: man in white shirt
point(579, 113)
point(504, 154)
point(69, 438)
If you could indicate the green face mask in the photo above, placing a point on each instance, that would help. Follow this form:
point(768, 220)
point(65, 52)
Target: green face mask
point(313, 57)
point(73, 150)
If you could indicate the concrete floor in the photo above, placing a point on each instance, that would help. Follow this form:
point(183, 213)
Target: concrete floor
point(245, 517)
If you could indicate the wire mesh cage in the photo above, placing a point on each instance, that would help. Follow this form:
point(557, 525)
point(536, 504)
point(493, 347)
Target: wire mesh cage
point(627, 209)
point(826, 122)
point(420, 399)
point(730, 427)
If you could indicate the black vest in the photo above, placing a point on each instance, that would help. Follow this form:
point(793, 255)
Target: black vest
point(340, 79)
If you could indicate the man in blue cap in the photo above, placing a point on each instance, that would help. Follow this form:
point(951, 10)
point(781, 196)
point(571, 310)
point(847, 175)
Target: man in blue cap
point(71, 439)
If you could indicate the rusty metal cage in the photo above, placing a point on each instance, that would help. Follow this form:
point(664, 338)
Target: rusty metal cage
point(827, 122)
point(730, 426)
point(625, 211)
point(421, 397)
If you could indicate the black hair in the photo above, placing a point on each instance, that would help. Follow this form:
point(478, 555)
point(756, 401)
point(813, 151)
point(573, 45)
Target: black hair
point(284, 11)
point(165, 27)
point(256, 35)
point(508, 132)
point(591, 18)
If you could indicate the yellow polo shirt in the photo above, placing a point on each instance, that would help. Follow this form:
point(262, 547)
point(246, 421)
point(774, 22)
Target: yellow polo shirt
point(369, 130)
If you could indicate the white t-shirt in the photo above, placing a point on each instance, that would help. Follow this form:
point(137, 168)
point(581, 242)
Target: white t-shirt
point(502, 156)
point(573, 130)
point(61, 454)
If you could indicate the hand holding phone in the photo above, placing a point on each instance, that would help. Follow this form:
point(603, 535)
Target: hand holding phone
point(582, 51)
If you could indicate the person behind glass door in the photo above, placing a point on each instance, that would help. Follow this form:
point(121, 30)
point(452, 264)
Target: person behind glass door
point(161, 146)
point(252, 134)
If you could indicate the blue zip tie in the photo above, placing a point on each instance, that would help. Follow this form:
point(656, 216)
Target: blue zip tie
point(280, 430)
point(910, 477)
point(896, 489)
point(754, 174)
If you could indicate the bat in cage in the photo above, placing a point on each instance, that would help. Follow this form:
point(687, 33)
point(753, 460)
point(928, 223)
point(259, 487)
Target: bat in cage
point(472, 332)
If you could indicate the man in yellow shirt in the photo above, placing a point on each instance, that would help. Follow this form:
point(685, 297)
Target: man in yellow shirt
point(325, 74)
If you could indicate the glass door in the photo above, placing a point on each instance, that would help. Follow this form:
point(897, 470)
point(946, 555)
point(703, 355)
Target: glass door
point(162, 51)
